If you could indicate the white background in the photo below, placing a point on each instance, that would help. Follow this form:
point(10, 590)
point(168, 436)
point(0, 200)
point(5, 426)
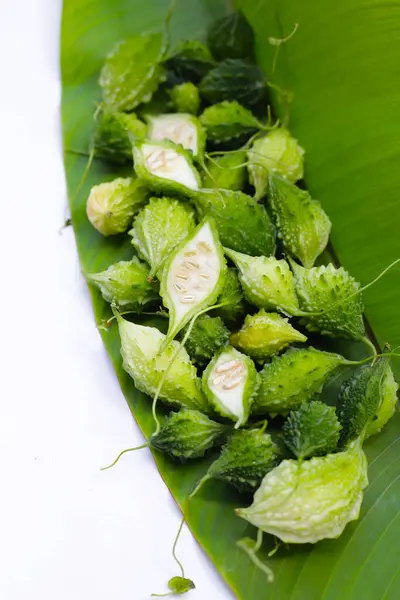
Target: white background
point(67, 531)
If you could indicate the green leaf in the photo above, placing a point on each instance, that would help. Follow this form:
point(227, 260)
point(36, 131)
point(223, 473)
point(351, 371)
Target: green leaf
point(342, 67)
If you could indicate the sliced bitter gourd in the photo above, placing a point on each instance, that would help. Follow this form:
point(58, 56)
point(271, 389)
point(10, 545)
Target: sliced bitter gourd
point(193, 276)
point(180, 128)
point(166, 167)
point(230, 382)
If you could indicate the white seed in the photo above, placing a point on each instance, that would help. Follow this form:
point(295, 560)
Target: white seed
point(190, 264)
point(179, 287)
point(227, 366)
point(190, 253)
point(188, 299)
point(218, 380)
point(204, 276)
point(231, 384)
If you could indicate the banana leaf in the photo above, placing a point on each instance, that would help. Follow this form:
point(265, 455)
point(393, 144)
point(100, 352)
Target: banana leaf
point(342, 68)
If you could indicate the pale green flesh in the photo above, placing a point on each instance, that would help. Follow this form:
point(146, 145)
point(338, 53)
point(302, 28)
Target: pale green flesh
point(168, 164)
point(179, 128)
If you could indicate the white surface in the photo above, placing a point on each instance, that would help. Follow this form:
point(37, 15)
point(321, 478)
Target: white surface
point(67, 531)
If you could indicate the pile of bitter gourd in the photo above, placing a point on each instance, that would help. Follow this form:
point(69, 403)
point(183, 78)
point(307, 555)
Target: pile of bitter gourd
point(224, 245)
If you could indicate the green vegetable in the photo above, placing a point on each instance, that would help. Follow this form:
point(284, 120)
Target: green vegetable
point(293, 378)
point(193, 276)
point(227, 171)
point(191, 61)
point(242, 223)
point(305, 502)
point(248, 455)
point(230, 382)
point(333, 293)
point(159, 228)
point(111, 205)
point(111, 140)
point(360, 399)
point(131, 72)
point(207, 336)
point(187, 434)
point(180, 128)
point(388, 405)
point(180, 585)
point(231, 297)
point(126, 284)
point(146, 360)
point(264, 334)
point(302, 224)
point(312, 430)
point(166, 167)
point(234, 79)
point(228, 120)
point(277, 152)
point(266, 282)
point(231, 37)
point(185, 98)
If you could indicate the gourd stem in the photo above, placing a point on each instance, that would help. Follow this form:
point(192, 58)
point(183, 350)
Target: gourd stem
point(365, 360)
point(252, 554)
point(175, 544)
point(199, 485)
point(122, 453)
point(85, 174)
point(370, 345)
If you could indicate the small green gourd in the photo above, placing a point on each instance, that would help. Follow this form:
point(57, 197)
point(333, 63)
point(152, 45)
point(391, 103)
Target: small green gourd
point(207, 336)
point(264, 334)
point(312, 430)
point(193, 276)
point(111, 205)
point(293, 378)
point(166, 167)
point(230, 382)
point(244, 460)
point(242, 223)
point(302, 224)
point(112, 140)
point(185, 98)
point(126, 284)
point(388, 405)
point(147, 360)
point(277, 152)
point(232, 306)
point(227, 172)
point(132, 71)
point(334, 299)
point(191, 61)
point(266, 281)
point(158, 228)
point(228, 121)
point(188, 434)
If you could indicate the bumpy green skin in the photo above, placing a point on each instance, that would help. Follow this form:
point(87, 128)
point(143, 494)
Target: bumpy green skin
point(264, 334)
point(293, 378)
point(360, 399)
point(243, 224)
point(111, 140)
point(234, 79)
point(302, 224)
point(188, 434)
point(170, 296)
point(154, 181)
point(334, 293)
point(231, 297)
point(131, 72)
point(126, 285)
point(277, 152)
point(227, 172)
point(180, 585)
point(250, 388)
point(185, 97)
point(146, 363)
point(174, 125)
point(112, 205)
point(388, 404)
point(159, 228)
point(227, 121)
point(231, 36)
point(191, 61)
point(312, 430)
point(137, 129)
point(208, 335)
point(266, 282)
point(248, 455)
point(310, 501)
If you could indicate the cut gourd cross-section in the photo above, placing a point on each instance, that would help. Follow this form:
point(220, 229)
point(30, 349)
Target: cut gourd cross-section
point(180, 128)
